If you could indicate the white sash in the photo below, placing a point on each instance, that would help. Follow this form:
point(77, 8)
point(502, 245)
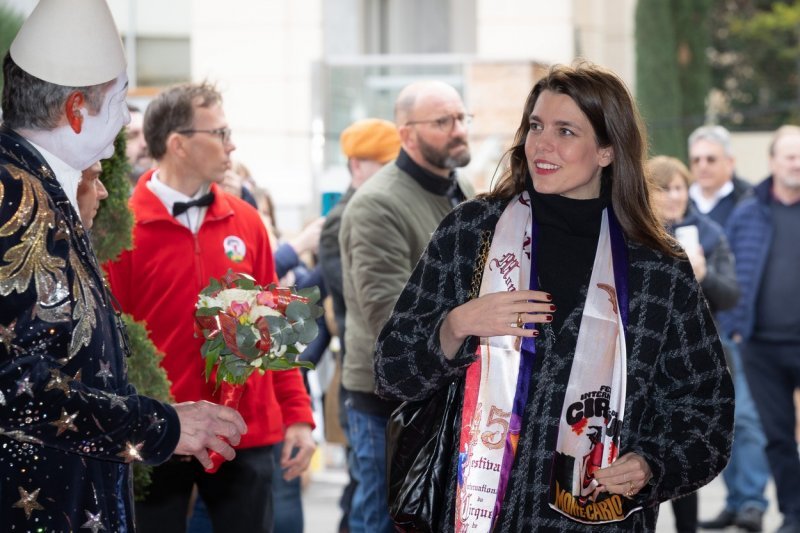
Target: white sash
point(507, 269)
point(593, 405)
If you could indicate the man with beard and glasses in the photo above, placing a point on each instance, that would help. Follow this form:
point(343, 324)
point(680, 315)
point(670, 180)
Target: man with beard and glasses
point(385, 227)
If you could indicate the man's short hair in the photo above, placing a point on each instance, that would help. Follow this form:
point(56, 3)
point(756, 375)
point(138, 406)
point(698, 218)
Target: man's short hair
point(32, 103)
point(173, 110)
point(783, 131)
point(715, 134)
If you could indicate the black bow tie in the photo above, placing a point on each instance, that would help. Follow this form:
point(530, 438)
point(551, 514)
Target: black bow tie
point(179, 208)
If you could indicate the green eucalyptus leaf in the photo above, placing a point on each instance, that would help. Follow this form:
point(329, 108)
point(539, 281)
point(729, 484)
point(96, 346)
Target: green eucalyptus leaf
point(316, 311)
point(312, 293)
point(297, 310)
point(245, 336)
point(278, 363)
point(208, 311)
point(245, 283)
point(210, 361)
point(251, 352)
point(307, 330)
point(213, 287)
point(281, 331)
point(281, 363)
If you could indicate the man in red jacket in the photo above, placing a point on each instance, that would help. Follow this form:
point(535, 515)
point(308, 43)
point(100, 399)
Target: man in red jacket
point(188, 231)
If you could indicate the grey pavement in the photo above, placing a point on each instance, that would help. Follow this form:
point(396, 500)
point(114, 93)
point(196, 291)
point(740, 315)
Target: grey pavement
point(322, 514)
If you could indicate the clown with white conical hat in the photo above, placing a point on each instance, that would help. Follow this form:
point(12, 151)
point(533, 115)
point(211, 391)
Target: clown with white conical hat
point(74, 47)
point(70, 424)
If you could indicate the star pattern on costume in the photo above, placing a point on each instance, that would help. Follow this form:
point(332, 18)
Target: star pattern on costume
point(58, 382)
point(24, 386)
point(155, 421)
point(104, 372)
point(116, 401)
point(27, 502)
point(65, 422)
point(131, 452)
point(7, 335)
point(94, 523)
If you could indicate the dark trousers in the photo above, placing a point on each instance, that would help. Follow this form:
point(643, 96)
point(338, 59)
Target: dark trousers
point(238, 496)
point(286, 498)
point(773, 372)
point(685, 510)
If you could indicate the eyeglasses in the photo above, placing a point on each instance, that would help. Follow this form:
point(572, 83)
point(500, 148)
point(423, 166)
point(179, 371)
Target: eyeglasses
point(223, 133)
point(710, 159)
point(446, 123)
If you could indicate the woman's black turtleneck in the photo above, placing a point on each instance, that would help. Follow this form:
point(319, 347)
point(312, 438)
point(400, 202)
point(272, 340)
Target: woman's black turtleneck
point(568, 231)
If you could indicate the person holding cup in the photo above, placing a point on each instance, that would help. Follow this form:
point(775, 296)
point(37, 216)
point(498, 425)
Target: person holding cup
point(708, 251)
point(702, 239)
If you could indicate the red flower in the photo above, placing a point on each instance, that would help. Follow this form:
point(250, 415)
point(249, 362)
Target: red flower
point(278, 298)
point(240, 308)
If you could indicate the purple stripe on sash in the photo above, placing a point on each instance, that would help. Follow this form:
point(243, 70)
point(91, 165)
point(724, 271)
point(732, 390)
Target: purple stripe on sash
point(526, 360)
point(528, 343)
point(514, 427)
point(619, 255)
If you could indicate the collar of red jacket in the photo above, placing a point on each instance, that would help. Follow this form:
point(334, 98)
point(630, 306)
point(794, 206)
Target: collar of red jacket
point(149, 208)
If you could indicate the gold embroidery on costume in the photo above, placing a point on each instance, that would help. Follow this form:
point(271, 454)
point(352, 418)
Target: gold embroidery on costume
point(29, 259)
point(20, 436)
point(84, 312)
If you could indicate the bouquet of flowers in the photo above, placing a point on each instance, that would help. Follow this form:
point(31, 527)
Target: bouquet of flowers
point(248, 328)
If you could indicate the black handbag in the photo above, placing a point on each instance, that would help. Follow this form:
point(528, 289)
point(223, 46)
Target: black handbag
point(421, 440)
point(420, 443)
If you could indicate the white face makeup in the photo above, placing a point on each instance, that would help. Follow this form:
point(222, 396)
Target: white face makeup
point(98, 131)
point(96, 140)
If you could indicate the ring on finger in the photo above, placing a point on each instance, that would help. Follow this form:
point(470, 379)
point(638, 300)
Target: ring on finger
point(519, 320)
point(629, 492)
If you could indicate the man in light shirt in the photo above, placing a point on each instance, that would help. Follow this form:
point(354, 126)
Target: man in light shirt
point(716, 192)
point(716, 189)
point(187, 231)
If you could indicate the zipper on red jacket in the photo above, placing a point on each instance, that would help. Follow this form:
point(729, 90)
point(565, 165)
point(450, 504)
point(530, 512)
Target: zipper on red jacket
point(198, 260)
point(202, 280)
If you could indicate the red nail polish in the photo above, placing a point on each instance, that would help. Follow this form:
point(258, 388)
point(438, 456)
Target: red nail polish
point(548, 318)
point(536, 333)
point(549, 297)
point(552, 307)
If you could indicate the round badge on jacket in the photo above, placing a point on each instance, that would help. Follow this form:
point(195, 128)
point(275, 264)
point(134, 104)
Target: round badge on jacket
point(234, 248)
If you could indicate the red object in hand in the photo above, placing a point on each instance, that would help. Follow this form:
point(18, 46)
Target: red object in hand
point(229, 397)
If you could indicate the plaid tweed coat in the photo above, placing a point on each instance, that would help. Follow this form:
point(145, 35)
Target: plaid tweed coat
point(679, 407)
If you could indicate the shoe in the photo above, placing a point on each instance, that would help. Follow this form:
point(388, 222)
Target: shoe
point(750, 519)
point(789, 526)
point(724, 519)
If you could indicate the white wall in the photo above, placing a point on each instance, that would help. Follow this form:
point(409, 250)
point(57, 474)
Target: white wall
point(537, 30)
point(152, 17)
point(162, 18)
point(606, 35)
point(260, 54)
point(751, 150)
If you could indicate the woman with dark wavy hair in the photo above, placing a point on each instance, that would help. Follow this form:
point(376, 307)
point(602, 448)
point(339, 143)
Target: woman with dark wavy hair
point(592, 384)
